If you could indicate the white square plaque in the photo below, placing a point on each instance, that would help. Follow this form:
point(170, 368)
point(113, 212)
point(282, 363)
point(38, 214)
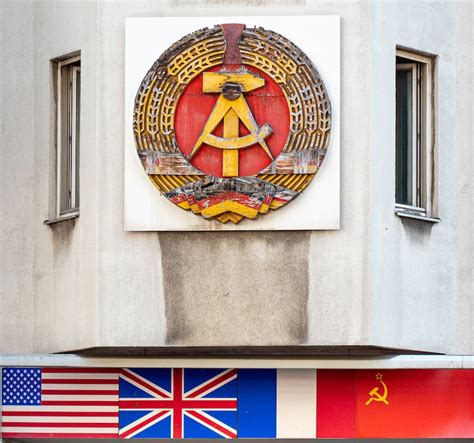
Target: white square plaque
point(316, 208)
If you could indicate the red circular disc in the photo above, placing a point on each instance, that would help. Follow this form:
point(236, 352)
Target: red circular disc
point(268, 105)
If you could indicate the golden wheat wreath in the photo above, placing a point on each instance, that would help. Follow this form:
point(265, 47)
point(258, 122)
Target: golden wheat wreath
point(231, 122)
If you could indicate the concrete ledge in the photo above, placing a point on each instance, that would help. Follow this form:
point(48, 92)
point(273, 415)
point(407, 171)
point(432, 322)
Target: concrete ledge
point(387, 362)
point(242, 351)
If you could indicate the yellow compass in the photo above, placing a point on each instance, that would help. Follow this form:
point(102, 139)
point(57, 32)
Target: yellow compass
point(231, 108)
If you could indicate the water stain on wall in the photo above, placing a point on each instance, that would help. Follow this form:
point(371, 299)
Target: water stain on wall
point(244, 288)
point(63, 236)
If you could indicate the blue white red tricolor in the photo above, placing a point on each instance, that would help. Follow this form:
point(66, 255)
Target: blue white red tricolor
point(236, 403)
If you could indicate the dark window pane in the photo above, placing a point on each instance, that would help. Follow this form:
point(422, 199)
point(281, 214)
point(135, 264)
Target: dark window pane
point(65, 146)
point(404, 137)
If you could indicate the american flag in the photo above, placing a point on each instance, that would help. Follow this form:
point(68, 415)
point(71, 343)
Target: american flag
point(178, 403)
point(59, 402)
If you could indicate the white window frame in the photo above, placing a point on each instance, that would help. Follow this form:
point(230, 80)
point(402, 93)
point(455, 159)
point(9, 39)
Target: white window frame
point(60, 213)
point(423, 161)
point(59, 149)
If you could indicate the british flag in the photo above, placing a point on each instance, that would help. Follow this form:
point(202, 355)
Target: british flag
point(178, 403)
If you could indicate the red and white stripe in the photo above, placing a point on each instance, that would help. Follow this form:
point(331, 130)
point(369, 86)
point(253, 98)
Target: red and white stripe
point(75, 403)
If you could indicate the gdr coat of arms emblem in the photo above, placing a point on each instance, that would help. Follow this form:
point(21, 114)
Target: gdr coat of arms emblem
point(231, 122)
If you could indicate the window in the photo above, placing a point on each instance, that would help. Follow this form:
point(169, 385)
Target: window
point(67, 83)
point(414, 153)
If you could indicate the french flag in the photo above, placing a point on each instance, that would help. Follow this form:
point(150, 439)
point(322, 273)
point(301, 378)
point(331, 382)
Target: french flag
point(276, 403)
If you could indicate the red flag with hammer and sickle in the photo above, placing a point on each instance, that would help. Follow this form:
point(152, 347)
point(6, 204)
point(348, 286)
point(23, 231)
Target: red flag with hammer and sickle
point(405, 403)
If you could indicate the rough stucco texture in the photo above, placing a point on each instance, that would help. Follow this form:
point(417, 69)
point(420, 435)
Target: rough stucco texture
point(379, 281)
point(223, 289)
point(16, 253)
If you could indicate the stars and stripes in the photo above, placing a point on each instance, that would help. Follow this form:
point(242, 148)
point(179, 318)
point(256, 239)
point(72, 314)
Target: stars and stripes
point(59, 402)
point(177, 403)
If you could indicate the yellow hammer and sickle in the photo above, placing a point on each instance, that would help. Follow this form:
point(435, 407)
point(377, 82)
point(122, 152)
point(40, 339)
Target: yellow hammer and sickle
point(231, 108)
point(375, 396)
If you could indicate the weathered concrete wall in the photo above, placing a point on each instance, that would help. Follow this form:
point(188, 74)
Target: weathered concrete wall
point(273, 279)
point(338, 309)
point(49, 272)
point(413, 264)
point(66, 254)
point(16, 178)
point(378, 281)
point(229, 289)
point(464, 191)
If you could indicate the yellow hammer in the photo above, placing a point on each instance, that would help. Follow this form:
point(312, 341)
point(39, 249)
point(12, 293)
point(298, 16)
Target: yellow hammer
point(232, 108)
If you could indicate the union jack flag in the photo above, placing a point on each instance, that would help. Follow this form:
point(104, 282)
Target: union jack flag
point(178, 403)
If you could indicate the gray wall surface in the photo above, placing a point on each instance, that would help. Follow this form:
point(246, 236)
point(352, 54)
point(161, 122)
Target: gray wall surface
point(414, 266)
point(380, 280)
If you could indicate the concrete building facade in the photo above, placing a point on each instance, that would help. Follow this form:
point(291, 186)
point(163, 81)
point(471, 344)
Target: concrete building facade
point(382, 283)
